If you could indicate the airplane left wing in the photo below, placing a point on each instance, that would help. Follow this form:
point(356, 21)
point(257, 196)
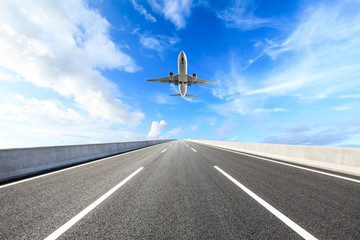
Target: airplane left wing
point(202, 81)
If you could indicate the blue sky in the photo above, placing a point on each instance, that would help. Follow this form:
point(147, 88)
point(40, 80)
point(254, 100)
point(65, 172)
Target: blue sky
point(73, 72)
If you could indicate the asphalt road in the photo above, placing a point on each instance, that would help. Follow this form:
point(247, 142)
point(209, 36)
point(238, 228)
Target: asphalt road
point(175, 192)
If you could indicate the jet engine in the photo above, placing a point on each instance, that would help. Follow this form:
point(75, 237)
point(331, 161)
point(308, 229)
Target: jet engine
point(171, 76)
point(194, 77)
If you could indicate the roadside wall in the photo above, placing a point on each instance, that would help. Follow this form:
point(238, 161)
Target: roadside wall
point(344, 160)
point(16, 163)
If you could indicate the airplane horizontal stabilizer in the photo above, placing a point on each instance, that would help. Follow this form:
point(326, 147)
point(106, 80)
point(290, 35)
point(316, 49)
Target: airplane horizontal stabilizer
point(178, 95)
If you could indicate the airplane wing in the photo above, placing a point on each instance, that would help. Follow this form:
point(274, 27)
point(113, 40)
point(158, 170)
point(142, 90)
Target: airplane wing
point(200, 81)
point(163, 79)
point(178, 95)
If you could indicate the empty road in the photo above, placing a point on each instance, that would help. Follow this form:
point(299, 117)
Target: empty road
point(181, 190)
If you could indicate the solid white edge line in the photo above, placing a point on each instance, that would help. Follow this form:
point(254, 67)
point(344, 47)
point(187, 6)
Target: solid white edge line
point(302, 232)
point(193, 149)
point(69, 168)
point(164, 150)
point(83, 213)
point(291, 165)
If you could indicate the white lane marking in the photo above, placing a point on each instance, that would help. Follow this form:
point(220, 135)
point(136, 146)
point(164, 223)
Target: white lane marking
point(193, 149)
point(164, 150)
point(83, 213)
point(295, 166)
point(302, 232)
point(69, 168)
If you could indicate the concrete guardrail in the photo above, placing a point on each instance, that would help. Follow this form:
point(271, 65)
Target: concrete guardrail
point(344, 160)
point(21, 162)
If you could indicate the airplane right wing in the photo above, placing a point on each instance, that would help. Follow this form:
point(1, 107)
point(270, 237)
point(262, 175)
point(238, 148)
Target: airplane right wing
point(163, 79)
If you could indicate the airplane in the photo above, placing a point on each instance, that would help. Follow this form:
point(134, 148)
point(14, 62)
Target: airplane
point(182, 79)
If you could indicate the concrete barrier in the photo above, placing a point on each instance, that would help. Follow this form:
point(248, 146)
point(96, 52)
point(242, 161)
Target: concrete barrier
point(16, 163)
point(344, 160)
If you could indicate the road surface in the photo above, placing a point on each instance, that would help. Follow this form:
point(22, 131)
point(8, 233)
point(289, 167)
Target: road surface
point(181, 190)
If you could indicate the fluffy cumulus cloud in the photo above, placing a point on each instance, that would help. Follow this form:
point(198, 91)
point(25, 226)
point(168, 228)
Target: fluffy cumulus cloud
point(50, 122)
point(63, 45)
point(16, 108)
point(156, 128)
point(174, 10)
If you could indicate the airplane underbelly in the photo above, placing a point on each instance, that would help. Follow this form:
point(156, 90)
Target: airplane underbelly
point(182, 89)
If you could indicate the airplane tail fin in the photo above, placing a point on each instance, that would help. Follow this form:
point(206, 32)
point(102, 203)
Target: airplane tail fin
point(178, 95)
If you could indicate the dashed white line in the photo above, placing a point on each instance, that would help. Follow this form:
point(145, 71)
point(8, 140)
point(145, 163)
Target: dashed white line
point(164, 150)
point(193, 149)
point(302, 232)
point(291, 165)
point(83, 213)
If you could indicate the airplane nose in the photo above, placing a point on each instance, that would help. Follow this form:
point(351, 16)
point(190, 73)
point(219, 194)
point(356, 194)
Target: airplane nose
point(182, 56)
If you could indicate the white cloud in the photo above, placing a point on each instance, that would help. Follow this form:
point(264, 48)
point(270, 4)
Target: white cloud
point(320, 57)
point(156, 128)
point(175, 132)
point(62, 45)
point(206, 120)
point(174, 10)
point(141, 9)
point(194, 128)
point(162, 98)
point(266, 110)
point(350, 96)
point(317, 60)
point(342, 108)
point(225, 128)
point(295, 128)
point(15, 108)
point(30, 122)
point(235, 105)
point(234, 138)
point(158, 43)
point(322, 134)
point(241, 15)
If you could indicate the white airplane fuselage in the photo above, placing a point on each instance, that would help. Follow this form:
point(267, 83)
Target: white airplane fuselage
point(182, 69)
